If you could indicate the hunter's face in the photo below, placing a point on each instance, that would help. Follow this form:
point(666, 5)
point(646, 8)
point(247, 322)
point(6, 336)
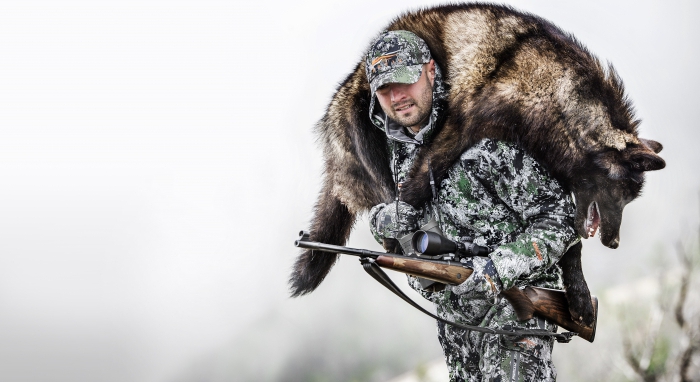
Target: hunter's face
point(409, 104)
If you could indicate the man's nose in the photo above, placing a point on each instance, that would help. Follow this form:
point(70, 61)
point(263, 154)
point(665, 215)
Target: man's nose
point(397, 93)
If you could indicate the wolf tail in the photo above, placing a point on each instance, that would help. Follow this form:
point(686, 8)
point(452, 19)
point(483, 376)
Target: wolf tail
point(331, 224)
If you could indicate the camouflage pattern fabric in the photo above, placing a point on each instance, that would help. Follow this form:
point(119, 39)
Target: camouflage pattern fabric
point(503, 199)
point(484, 283)
point(395, 57)
point(385, 222)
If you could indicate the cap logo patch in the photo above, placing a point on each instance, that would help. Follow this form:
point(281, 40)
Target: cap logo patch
point(389, 58)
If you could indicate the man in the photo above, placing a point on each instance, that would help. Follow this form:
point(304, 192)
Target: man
point(495, 195)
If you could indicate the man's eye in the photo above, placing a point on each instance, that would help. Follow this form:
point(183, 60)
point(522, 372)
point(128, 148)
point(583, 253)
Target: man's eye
point(383, 87)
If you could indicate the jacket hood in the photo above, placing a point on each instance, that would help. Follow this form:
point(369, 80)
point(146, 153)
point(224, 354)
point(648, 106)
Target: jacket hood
point(396, 132)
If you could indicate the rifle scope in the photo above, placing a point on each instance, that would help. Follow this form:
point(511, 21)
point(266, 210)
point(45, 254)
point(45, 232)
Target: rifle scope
point(433, 244)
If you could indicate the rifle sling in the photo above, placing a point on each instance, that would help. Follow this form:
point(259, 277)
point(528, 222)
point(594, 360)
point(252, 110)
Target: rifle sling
point(378, 274)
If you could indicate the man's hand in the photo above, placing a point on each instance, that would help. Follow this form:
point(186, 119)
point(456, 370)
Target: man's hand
point(484, 283)
point(385, 223)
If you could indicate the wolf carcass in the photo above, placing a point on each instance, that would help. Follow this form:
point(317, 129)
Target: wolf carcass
point(511, 76)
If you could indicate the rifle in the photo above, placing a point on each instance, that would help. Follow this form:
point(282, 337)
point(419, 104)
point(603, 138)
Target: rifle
point(550, 304)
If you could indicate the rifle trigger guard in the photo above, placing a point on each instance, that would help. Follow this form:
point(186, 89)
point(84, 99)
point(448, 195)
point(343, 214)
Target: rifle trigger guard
point(566, 337)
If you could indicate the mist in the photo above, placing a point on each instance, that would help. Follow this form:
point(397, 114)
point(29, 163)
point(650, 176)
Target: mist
point(158, 161)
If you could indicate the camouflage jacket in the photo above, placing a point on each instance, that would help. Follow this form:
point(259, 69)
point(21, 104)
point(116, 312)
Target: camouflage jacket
point(499, 197)
point(503, 199)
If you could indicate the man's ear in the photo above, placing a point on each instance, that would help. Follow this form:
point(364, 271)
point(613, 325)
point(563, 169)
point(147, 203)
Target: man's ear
point(431, 71)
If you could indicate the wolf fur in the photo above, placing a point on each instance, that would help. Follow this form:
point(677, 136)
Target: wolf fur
point(511, 76)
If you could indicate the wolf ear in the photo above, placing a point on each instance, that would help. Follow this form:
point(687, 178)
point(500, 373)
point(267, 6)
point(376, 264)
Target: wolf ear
point(646, 161)
point(652, 145)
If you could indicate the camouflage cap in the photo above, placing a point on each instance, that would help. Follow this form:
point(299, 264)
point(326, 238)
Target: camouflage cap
point(396, 57)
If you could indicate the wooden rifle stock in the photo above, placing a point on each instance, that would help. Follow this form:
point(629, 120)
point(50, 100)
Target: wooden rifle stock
point(550, 304)
point(446, 274)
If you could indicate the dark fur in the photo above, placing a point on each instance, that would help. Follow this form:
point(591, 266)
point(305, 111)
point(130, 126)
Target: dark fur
point(511, 76)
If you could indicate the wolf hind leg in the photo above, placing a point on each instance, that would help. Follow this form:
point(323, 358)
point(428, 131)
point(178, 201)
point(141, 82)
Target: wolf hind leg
point(577, 293)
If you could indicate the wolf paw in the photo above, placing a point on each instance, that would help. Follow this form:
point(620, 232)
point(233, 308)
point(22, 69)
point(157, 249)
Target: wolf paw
point(581, 307)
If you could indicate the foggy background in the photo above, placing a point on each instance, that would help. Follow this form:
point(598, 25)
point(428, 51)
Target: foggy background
point(157, 162)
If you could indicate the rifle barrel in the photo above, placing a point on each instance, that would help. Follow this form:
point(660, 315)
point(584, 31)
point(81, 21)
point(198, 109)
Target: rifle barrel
point(338, 249)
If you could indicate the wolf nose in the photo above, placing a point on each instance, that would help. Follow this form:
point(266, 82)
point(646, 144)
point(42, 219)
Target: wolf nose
point(615, 243)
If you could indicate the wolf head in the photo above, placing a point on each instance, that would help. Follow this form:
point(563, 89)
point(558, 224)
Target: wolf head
point(614, 157)
point(617, 179)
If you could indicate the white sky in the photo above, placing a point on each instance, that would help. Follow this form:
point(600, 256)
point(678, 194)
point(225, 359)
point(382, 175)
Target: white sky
point(157, 162)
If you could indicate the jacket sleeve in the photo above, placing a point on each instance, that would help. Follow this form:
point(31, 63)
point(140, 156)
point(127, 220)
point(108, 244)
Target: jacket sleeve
point(544, 208)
